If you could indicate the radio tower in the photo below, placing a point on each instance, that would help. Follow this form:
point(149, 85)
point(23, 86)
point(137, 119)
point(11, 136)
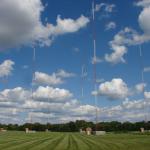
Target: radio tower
point(83, 76)
point(94, 62)
point(33, 81)
point(143, 82)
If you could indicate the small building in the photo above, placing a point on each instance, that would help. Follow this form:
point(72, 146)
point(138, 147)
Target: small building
point(2, 130)
point(26, 130)
point(82, 131)
point(99, 132)
point(142, 130)
point(29, 131)
point(88, 131)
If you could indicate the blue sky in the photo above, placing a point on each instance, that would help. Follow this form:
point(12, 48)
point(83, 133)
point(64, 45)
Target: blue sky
point(69, 46)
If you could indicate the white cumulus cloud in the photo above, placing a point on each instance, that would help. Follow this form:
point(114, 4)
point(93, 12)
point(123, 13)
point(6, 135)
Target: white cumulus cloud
point(119, 44)
point(68, 25)
point(147, 95)
point(64, 74)
point(51, 94)
point(111, 25)
point(14, 95)
point(6, 68)
point(43, 78)
point(96, 60)
point(143, 3)
point(147, 69)
point(55, 78)
point(140, 87)
point(115, 89)
point(20, 24)
point(128, 36)
point(108, 8)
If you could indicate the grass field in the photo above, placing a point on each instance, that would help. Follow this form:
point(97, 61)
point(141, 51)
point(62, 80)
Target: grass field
point(72, 141)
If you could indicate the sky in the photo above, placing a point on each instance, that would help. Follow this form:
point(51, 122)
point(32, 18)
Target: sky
point(47, 62)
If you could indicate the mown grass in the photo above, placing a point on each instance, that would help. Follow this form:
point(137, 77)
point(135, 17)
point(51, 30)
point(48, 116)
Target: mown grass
point(72, 141)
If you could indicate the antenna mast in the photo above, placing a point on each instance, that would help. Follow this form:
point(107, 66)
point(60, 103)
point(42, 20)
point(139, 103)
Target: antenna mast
point(83, 76)
point(143, 81)
point(94, 61)
point(33, 79)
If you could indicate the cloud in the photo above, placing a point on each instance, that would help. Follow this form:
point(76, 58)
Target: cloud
point(143, 3)
point(6, 68)
point(96, 60)
point(63, 74)
point(105, 10)
point(58, 105)
point(20, 24)
point(129, 110)
point(25, 67)
point(100, 80)
point(147, 69)
point(129, 36)
point(86, 110)
point(127, 104)
point(41, 115)
point(114, 89)
point(118, 89)
point(45, 79)
point(147, 95)
point(11, 102)
point(53, 79)
point(140, 87)
point(126, 111)
point(108, 8)
point(68, 25)
point(144, 20)
point(44, 100)
point(17, 94)
point(77, 50)
point(51, 94)
point(65, 112)
point(111, 25)
point(122, 39)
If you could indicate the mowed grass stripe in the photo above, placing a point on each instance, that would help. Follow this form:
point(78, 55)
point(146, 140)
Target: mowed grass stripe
point(72, 141)
point(13, 142)
point(93, 145)
point(25, 139)
point(81, 143)
point(105, 143)
point(53, 143)
point(88, 144)
point(114, 143)
point(73, 145)
point(121, 142)
point(63, 143)
point(46, 145)
point(27, 145)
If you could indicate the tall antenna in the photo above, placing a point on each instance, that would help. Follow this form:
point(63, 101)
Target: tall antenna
point(143, 81)
point(83, 75)
point(94, 61)
point(33, 78)
point(49, 111)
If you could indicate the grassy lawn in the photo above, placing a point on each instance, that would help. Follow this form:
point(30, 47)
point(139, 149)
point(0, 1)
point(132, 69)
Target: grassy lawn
point(72, 141)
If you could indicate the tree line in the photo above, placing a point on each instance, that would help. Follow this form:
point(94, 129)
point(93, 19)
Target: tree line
point(113, 126)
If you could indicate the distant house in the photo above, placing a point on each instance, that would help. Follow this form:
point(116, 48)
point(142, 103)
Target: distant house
point(88, 131)
point(29, 131)
point(2, 130)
